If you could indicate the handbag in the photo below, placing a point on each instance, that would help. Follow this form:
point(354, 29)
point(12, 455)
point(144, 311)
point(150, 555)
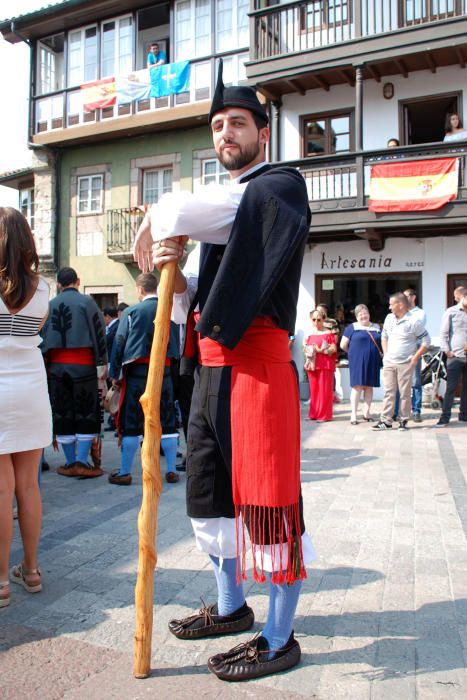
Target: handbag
point(112, 400)
point(376, 345)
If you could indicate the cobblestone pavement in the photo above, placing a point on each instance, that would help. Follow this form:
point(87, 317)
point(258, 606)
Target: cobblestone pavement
point(383, 612)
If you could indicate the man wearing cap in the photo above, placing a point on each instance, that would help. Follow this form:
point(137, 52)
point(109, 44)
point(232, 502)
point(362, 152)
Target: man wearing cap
point(74, 346)
point(243, 453)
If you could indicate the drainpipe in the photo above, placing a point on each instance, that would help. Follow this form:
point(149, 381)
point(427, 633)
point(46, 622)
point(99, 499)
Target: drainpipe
point(56, 153)
point(276, 131)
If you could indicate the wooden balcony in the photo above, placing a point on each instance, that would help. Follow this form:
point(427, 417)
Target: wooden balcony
point(307, 44)
point(338, 188)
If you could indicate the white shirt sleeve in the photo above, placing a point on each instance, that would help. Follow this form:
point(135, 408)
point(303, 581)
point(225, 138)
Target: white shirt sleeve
point(205, 216)
point(182, 302)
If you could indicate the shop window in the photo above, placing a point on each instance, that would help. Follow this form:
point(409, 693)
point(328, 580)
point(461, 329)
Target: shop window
point(213, 172)
point(90, 191)
point(156, 183)
point(26, 205)
point(327, 133)
point(454, 281)
point(346, 291)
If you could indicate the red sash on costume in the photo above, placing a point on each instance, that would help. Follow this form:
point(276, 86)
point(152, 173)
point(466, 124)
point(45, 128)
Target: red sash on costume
point(265, 444)
point(72, 356)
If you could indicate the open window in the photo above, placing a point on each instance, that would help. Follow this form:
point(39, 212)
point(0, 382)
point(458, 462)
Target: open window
point(423, 118)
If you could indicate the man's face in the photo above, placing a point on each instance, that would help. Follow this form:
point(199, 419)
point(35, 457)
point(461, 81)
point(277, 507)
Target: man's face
point(397, 307)
point(410, 298)
point(154, 49)
point(237, 140)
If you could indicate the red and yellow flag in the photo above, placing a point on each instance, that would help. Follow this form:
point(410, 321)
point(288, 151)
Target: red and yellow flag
point(100, 93)
point(416, 185)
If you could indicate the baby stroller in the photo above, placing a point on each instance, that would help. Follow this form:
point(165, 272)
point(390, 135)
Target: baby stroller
point(433, 373)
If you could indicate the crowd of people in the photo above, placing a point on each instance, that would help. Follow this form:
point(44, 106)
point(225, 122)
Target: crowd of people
point(393, 352)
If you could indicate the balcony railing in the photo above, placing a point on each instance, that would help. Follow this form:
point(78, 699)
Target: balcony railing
point(122, 226)
point(309, 24)
point(342, 181)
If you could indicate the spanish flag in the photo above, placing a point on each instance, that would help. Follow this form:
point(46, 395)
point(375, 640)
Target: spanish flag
point(417, 185)
point(100, 93)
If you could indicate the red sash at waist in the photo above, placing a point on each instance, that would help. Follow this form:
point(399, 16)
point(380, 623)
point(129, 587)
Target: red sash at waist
point(262, 342)
point(145, 361)
point(72, 356)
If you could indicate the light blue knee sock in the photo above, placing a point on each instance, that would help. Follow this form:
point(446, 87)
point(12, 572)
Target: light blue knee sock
point(130, 444)
point(169, 447)
point(69, 452)
point(230, 595)
point(283, 601)
point(82, 453)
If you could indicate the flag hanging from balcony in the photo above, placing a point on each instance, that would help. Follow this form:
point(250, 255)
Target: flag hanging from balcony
point(133, 87)
point(98, 94)
point(170, 79)
point(413, 185)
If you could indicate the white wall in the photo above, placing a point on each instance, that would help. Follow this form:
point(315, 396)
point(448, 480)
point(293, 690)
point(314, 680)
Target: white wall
point(380, 116)
point(435, 258)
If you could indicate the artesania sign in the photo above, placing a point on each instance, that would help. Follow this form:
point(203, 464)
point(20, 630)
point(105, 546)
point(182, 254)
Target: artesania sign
point(341, 262)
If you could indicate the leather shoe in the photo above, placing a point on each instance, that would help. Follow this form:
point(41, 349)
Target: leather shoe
point(120, 479)
point(172, 477)
point(207, 623)
point(251, 660)
point(86, 471)
point(68, 470)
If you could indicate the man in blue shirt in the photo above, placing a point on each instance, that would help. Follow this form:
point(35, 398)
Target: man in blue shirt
point(156, 57)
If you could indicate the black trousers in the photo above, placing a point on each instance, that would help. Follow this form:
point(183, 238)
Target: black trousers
point(456, 368)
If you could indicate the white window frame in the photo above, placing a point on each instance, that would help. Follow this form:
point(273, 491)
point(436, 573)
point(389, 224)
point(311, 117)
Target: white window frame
point(117, 69)
point(82, 31)
point(189, 50)
point(26, 205)
point(221, 175)
point(232, 41)
point(161, 189)
point(90, 178)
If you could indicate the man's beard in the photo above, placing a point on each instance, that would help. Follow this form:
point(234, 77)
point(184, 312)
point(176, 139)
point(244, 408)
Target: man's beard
point(244, 156)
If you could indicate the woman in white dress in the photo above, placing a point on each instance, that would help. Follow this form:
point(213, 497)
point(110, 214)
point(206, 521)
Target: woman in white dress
point(25, 416)
point(454, 129)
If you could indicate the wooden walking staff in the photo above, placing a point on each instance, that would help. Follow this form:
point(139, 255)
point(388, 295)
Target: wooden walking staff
point(152, 480)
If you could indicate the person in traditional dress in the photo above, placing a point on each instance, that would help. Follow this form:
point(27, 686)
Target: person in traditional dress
point(74, 346)
point(243, 460)
point(129, 368)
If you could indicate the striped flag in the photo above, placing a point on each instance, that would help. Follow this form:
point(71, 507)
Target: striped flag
point(100, 93)
point(417, 185)
point(135, 86)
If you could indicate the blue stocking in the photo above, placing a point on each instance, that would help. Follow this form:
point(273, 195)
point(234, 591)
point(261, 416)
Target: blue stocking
point(130, 444)
point(169, 447)
point(230, 595)
point(283, 601)
point(82, 452)
point(69, 451)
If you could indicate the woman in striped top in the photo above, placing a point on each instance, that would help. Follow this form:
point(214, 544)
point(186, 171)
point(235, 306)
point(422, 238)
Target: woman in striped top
point(25, 418)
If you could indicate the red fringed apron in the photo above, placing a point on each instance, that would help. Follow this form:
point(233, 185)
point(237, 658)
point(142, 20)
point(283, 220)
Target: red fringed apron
point(265, 429)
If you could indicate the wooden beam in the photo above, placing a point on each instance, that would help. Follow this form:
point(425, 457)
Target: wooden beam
point(295, 85)
point(460, 57)
point(348, 78)
point(321, 82)
point(268, 93)
point(401, 67)
point(431, 62)
point(374, 73)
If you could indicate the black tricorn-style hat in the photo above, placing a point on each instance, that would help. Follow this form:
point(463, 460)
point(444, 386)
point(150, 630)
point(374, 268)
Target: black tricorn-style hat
point(235, 96)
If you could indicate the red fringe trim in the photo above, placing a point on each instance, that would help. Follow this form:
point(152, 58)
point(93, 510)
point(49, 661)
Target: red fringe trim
point(281, 525)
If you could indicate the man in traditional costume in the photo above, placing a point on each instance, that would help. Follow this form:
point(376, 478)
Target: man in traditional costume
point(243, 454)
point(74, 346)
point(129, 367)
